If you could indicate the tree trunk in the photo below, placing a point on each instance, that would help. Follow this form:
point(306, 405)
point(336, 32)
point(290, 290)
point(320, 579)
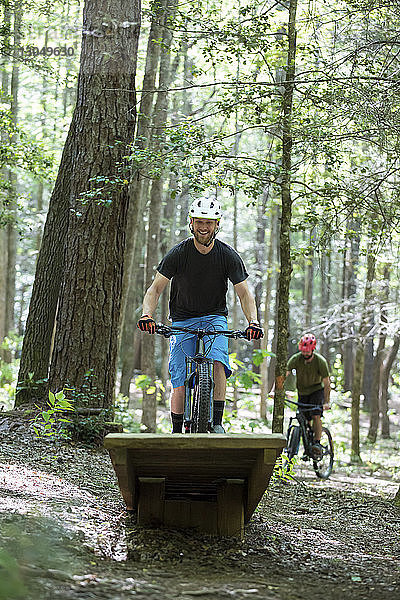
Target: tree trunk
point(285, 225)
point(267, 313)
point(85, 347)
point(384, 385)
point(360, 353)
point(375, 401)
point(149, 414)
point(142, 139)
point(368, 368)
point(309, 284)
point(130, 340)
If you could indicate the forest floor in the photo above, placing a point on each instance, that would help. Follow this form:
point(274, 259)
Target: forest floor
point(65, 534)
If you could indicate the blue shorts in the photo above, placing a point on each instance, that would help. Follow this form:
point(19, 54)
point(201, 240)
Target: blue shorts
point(184, 344)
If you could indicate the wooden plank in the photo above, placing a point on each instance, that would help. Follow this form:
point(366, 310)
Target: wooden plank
point(259, 479)
point(201, 516)
point(230, 507)
point(198, 440)
point(151, 501)
point(125, 475)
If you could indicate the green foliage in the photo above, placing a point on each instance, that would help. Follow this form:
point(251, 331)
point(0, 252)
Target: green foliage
point(35, 386)
point(49, 422)
point(11, 584)
point(284, 469)
point(88, 430)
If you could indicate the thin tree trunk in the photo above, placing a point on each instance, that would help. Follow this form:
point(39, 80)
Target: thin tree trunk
point(142, 139)
point(85, 348)
point(375, 400)
point(360, 353)
point(149, 414)
point(267, 313)
point(384, 385)
point(309, 287)
point(130, 340)
point(285, 226)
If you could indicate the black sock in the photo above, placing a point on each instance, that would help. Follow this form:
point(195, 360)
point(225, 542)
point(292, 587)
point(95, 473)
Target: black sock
point(177, 422)
point(218, 411)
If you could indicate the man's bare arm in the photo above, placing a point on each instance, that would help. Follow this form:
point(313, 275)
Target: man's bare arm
point(152, 295)
point(246, 300)
point(327, 391)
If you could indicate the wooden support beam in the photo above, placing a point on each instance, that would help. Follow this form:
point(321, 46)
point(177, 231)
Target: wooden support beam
point(230, 507)
point(151, 501)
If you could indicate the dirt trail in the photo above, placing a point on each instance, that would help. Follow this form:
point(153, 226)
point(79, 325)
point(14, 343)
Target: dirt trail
point(65, 534)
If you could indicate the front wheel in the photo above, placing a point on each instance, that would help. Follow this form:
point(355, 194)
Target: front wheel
point(201, 399)
point(292, 448)
point(323, 464)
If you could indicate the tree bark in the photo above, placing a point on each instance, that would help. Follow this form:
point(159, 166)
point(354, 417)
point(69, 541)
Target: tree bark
point(142, 139)
point(384, 385)
point(285, 226)
point(375, 400)
point(149, 414)
point(360, 353)
point(85, 347)
point(267, 314)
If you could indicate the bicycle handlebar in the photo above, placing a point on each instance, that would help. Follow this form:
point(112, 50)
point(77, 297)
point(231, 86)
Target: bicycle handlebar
point(167, 331)
point(303, 405)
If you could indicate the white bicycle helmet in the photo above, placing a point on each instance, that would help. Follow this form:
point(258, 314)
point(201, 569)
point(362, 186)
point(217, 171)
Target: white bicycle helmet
point(205, 208)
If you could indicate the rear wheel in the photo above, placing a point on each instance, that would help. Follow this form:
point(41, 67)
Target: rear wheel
point(323, 464)
point(201, 399)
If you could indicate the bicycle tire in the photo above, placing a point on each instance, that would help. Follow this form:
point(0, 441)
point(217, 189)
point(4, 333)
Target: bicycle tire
point(292, 448)
point(324, 465)
point(201, 400)
point(293, 441)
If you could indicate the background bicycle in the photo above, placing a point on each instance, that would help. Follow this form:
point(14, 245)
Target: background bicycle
point(199, 382)
point(300, 430)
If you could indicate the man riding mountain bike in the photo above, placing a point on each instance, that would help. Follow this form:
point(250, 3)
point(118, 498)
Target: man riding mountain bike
point(313, 383)
point(199, 269)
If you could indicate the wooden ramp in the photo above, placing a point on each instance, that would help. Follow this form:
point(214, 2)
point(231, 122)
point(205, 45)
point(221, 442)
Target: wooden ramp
point(210, 482)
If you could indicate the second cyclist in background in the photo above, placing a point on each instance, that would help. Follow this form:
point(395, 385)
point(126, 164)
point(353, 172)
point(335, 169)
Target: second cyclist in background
point(199, 269)
point(312, 382)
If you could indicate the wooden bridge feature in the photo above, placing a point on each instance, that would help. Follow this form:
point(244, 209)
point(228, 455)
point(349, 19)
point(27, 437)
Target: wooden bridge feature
point(205, 481)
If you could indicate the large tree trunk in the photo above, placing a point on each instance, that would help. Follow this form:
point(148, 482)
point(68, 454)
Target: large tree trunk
point(285, 226)
point(85, 347)
point(35, 356)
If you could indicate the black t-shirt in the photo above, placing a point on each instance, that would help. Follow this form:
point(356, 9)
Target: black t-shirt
point(200, 281)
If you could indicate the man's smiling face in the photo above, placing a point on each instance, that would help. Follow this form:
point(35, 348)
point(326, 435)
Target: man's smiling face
point(204, 229)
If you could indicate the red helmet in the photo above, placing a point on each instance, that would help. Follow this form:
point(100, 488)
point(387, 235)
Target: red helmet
point(308, 342)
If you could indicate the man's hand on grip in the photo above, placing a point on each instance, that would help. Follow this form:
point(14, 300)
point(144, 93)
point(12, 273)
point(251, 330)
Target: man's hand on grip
point(254, 331)
point(147, 323)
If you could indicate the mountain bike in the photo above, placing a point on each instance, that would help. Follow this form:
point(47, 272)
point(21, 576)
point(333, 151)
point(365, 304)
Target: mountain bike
point(199, 382)
point(322, 460)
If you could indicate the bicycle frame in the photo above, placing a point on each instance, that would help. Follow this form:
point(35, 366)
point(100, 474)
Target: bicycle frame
point(192, 367)
point(321, 456)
